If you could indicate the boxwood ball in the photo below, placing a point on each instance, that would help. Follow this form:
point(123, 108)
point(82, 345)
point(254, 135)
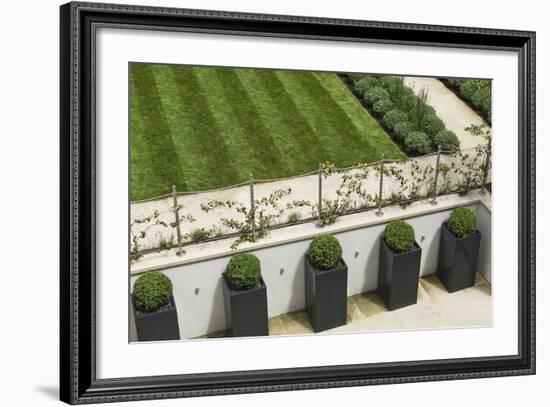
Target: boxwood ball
point(243, 271)
point(152, 291)
point(463, 222)
point(325, 252)
point(399, 236)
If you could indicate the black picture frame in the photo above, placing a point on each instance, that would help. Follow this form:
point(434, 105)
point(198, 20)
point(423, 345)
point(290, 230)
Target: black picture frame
point(78, 382)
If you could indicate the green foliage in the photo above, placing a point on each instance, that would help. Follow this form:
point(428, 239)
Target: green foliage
point(393, 117)
point(417, 142)
point(372, 80)
point(152, 291)
point(394, 85)
point(166, 244)
point(407, 100)
point(420, 108)
point(462, 222)
point(325, 252)
point(200, 234)
point(252, 224)
point(447, 140)
point(410, 118)
point(399, 236)
point(481, 99)
point(139, 229)
point(468, 88)
point(401, 130)
point(243, 271)
point(382, 106)
point(431, 124)
point(362, 86)
point(367, 82)
point(375, 94)
point(455, 82)
point(356, 77)
point(294, 217)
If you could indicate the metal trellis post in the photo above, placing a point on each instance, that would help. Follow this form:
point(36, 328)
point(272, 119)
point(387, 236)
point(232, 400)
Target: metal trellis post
point(433, 201)
point(485, 171)
point(252, 205)
point(320, 190)
point(180, 251)
point(380, 189)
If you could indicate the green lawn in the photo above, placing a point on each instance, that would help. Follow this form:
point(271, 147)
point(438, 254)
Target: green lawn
point(201, 128)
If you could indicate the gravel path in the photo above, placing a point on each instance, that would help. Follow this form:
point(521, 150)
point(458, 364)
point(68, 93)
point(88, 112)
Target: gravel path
point(455, 114)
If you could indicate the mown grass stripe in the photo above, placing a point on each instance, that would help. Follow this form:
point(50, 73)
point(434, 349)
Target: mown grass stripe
point(288, 128)
point(150, 138)
point(260, 154)
point(222, 116)
point(201, 143)
point(325, 118)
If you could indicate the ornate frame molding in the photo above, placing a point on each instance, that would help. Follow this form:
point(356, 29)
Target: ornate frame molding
point(78, 380)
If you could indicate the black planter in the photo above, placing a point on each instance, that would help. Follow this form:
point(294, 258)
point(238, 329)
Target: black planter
point(457, 262)
point(326, 295)
point(246, 310)
point(398, 276)
point(161, 325)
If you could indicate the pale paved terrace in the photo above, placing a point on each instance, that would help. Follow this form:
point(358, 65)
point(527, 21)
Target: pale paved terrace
point(436, 309)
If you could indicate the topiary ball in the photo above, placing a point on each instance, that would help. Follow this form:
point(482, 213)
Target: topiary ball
point(402, 130)
point(468, 88)
point(455, 83)
point(393, 117)
point(365, 83)
point(406, 100)
point(431, 125)
point(325, 252)
point(399, 236)
point(152, 291)
point(391, 83)
point(462, 222)
point(382, 106)
point(417, 142)
point(356, 77)
point(375, 94)
point(447, 140)
point(482, 99)
point(243, 271)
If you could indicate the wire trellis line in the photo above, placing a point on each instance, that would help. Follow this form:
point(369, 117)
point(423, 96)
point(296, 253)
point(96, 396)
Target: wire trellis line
point(251, 209)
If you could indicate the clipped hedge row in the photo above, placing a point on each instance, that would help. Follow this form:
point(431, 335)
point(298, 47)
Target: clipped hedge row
point(410, 120)
point(477, 92)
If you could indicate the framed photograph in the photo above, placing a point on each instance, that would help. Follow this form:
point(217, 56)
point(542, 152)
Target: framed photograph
point(255, 203)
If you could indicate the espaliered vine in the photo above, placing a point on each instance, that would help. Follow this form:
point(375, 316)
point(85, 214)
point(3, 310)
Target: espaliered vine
point(255, 222)
point(150, 221)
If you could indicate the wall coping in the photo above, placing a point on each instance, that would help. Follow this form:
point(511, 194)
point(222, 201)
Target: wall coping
point(305, 231)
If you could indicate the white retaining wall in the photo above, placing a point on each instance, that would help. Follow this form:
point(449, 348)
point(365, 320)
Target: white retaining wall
point(283, 267)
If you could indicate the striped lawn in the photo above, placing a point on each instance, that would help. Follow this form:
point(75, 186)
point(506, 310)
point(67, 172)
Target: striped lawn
point(201, 128)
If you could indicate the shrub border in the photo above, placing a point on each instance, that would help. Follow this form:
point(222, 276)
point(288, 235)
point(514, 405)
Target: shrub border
point(468, 102)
